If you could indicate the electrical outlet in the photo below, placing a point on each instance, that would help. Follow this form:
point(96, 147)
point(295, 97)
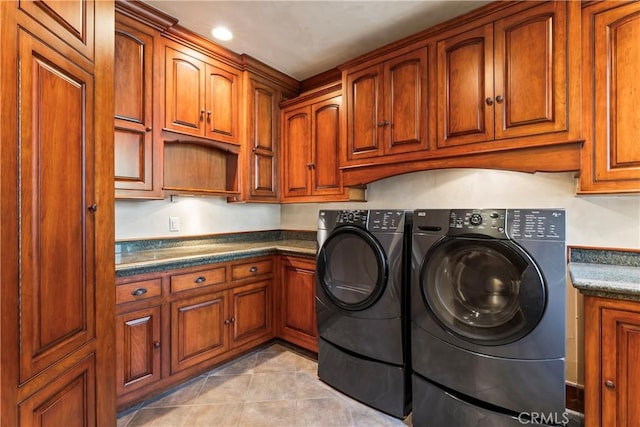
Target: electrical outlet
point(174, 223)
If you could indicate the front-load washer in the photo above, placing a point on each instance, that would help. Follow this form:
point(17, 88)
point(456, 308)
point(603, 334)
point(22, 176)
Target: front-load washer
point(488, 303)
point(362, 305)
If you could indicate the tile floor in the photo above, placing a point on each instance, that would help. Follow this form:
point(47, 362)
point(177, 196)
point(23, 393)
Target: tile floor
point(273, 386)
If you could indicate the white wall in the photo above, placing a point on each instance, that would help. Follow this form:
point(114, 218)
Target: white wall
point(601, 221)
point(198, 216)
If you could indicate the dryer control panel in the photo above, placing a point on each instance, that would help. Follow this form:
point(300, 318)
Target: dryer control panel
point(488, 222)
point(353, 217)
point(386, 220)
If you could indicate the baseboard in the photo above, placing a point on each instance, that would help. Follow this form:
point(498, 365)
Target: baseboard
point(575, 397)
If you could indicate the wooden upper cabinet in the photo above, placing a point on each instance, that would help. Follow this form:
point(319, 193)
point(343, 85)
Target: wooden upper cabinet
point(507, 79)
point(263, 126)
point(465, 84)
point(611, 94)
point(201, 99)
point(135, 176)
point(311, 141)
point(296, 127)
point(386, 107)
point(325, 144)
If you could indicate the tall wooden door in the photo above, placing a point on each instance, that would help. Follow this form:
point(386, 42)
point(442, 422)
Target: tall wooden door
point(58, 300)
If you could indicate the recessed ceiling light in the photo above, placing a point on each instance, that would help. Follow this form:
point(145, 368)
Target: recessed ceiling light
point(222, 33)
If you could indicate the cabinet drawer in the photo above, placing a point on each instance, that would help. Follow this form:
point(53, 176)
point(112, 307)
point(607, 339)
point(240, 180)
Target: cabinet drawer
point(198, 279)
point(251, 269)
point(138, 290)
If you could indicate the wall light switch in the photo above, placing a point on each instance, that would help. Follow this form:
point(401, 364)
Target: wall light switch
point(174, 223)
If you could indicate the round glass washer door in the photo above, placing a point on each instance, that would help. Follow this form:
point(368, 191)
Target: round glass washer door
point(352, 268)
point(486, 292)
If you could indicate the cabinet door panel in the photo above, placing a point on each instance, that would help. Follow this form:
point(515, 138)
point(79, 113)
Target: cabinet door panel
point(133, 155)
point(222, 105)
point(465, 82)
point(73, 20)
point(56, 186)
point(407, 97)
point(530, 72)
point(184, 97)
point(616, 70)
point(326, 143)
point(252, 305)
point(296, 132)
point(138, 349)
point(363, 133)
point(69, 400)
point(198, 329)
point(298, 295)
point(621, 345)
point(263, 117)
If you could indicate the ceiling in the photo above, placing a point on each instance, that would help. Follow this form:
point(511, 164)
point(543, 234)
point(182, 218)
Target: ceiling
point(306, 37)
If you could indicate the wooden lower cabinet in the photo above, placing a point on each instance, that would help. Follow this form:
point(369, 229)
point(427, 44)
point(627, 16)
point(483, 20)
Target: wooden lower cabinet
point(612, 372)
point(251, 314)
point(176, 324)
point(138, 350)
point(198, 329)
point(297, 301)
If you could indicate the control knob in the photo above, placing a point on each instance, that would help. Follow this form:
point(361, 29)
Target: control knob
point(475, 219)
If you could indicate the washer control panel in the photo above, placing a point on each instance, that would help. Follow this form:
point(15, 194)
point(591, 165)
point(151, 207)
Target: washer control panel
point(489, 222)
point(537, 224)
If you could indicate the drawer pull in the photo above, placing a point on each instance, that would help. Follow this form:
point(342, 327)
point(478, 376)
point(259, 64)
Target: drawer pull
point(139, 291)
point(200, 279)
point(253, 269)
point(156, 344)
point(610, 384)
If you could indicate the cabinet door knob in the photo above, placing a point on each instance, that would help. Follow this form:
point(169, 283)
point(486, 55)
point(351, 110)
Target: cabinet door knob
point(202, 114)
point(499, 99)
point(200, 279)
point(489, 101)
point(139, 291)
point(232, 320)
point(383, 123)
point(93, 208)
point(610, 384)
point(209, 113)
point(156, 344)
point(148, 128)
point(226, 322)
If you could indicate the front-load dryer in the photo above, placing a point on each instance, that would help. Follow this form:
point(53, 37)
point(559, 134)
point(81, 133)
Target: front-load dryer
point(488, 297)
point(362, 306)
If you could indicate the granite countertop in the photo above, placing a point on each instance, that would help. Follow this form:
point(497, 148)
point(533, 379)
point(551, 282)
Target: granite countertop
point(144, 258)
point(611, 274)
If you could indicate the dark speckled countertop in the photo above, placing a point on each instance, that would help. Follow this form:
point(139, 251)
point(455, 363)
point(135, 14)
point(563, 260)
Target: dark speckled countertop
point(145, 256)
point(606, 273)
